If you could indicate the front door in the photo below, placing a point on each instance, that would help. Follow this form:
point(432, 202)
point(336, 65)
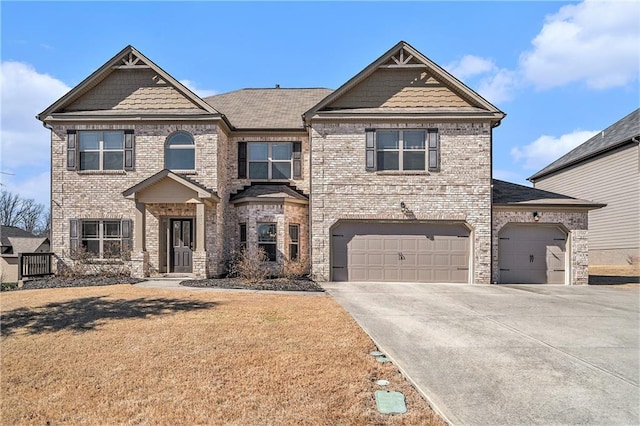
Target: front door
point(181, 245)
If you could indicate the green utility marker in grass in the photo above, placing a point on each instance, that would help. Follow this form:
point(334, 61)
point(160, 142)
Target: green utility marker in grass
point(390, 402)
point(383, 359)
point(376, 353)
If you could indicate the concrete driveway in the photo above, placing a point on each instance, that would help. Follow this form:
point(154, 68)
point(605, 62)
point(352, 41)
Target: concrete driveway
point(509, 355)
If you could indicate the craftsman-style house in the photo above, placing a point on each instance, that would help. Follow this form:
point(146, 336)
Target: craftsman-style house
point(387, 178)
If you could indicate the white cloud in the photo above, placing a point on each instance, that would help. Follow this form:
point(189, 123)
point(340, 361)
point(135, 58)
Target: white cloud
point(469, 66)
point(203, 93)
point(25, 143)
point(499, 87)
point(547, 149)
point(594, 41)
point(24, 93)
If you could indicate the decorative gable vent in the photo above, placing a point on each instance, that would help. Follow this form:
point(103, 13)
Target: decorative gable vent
point(403, 59)
point(131, 61)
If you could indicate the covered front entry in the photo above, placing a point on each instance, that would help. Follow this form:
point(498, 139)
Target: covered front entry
point(173, 214)
point(532, 254)
point(392, 252)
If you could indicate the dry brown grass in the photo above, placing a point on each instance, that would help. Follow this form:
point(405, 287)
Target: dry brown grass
point(621, 276)
point(125, 355)
point(615, 270)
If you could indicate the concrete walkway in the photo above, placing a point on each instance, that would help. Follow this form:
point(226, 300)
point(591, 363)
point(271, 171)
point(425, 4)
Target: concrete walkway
point(509, 355)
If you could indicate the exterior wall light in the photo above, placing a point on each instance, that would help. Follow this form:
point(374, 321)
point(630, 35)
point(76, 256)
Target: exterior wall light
point(536, 216)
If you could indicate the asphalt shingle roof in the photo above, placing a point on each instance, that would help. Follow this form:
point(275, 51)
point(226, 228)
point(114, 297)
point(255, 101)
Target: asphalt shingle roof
point(507, 193)
point(260, 190)
point(277, 108)
point(615, 135)
point(12, 231)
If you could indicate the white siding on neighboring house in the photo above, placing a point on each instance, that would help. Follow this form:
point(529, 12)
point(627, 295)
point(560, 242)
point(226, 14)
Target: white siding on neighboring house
point(612, 178)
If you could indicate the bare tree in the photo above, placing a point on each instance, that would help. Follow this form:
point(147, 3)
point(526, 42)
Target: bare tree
point(22, 213)
point(10, 208)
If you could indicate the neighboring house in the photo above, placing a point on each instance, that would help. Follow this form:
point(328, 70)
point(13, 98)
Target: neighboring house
point(14, 241)
point(387, 178)
point(605, 168)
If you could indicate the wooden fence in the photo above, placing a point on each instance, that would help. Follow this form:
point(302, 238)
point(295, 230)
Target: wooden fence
point(34, 265)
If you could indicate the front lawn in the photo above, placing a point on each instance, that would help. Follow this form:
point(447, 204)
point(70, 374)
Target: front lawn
point(121, 354)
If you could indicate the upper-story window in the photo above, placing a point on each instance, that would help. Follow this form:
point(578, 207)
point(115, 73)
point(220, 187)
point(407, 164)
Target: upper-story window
point(101, 150)
point(180, 152)
point(403, 150)
point(269, 160)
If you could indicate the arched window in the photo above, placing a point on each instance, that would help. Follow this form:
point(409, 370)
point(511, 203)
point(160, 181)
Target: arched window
point(180, 153)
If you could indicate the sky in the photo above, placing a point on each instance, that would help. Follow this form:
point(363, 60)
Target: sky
point(561, 71)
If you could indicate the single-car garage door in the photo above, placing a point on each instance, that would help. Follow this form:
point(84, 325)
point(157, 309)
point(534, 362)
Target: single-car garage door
point(532, 254)
point(378, 251)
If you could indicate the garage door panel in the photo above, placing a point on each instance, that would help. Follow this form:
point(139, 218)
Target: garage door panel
point(532, 254)
point(460, 244)
point(390, 259)
point(391, 244)
point(409, 244)
point(425, 259)
point(459, 260)
point(400, 252)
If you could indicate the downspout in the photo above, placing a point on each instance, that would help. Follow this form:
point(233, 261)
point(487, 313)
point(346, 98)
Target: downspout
point(50, 128)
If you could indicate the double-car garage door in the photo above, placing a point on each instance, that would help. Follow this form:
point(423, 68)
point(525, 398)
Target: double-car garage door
point(417, 252)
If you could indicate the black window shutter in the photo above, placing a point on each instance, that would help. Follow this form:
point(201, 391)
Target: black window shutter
point(127, 237)
point(370, 149)
point(74, 237)
point(129, 150)
point(297, 160)
point(72, 150)
point(433, 150)
point(242, 160)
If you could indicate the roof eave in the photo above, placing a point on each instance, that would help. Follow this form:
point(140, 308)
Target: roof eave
point(333, 115)
point(564, 206)
point(69, 117)
point(543, 173)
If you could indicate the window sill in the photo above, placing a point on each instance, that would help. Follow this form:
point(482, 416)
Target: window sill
point(102, 172)
point(403, 173)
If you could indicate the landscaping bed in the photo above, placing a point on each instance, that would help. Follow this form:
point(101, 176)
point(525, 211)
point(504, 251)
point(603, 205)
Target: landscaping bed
point(275, 284)
point(83, 281)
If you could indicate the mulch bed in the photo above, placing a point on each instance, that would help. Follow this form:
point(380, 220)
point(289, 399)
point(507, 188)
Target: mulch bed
point(277, 284)
point(85, 281)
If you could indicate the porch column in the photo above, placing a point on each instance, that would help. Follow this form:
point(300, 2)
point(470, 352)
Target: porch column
point(200, 226)
point(140, 227)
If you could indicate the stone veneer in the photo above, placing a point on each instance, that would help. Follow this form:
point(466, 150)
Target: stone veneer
point(575, 222)
point(343, 189)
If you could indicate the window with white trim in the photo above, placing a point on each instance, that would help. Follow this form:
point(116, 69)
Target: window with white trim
point(267, 239)
point(101, 150)
point(180, 152)
point(402, 150)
